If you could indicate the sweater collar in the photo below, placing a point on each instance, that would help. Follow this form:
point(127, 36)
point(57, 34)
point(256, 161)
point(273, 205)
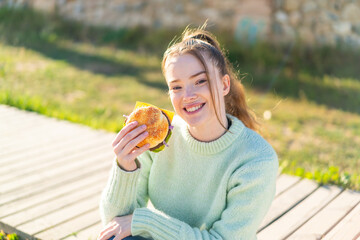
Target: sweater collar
point(213, 147)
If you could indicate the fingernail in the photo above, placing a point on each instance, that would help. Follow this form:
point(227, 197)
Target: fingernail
point(143, 126)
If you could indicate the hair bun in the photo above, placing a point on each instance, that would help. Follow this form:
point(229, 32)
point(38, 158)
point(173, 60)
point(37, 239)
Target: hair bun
point(202, 35)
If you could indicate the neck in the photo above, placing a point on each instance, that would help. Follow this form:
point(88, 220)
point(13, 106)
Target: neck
point(204, 134)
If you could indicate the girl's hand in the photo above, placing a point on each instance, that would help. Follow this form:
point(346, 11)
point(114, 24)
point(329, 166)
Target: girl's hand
point(119, 227)
point(125, 142)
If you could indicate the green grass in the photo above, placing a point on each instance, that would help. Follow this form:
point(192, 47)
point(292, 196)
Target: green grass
point(11, 236)
point(94, 75)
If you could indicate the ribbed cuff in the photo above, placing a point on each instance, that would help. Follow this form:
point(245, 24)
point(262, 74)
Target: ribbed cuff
point(156, 224)
point(121, 187)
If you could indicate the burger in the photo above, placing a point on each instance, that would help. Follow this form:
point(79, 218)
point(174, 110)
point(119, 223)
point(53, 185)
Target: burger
point(158, 126)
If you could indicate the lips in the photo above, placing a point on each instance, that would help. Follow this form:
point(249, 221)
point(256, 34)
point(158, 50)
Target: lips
point(193, 108)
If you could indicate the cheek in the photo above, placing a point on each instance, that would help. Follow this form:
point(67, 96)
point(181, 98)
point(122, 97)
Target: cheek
point(174, 100)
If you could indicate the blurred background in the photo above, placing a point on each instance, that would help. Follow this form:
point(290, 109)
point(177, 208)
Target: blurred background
point(88, 61)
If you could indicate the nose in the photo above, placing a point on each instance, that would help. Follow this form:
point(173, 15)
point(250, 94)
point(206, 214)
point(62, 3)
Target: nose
point(189, 94)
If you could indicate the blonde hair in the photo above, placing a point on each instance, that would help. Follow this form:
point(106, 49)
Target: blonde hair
point(199, 42)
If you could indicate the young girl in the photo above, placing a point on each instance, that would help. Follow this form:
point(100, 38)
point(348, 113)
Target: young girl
point(216, 180)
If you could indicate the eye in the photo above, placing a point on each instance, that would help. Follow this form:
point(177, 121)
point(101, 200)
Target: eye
point(201, 81)
point(175, 88)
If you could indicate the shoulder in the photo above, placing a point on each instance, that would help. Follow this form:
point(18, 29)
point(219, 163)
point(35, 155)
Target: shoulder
point(251, 147)
point(260, 147)
point(257, 162)
point(254, 142)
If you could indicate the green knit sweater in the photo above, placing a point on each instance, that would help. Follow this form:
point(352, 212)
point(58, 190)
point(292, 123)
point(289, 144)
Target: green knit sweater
point(216, 190)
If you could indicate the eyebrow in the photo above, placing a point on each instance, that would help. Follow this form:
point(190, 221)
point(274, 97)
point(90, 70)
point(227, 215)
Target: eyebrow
point(196, 74)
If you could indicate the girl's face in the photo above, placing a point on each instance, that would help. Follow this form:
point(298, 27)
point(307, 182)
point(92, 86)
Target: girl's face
point(190, 94)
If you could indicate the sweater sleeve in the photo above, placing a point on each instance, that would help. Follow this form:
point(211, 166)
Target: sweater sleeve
point(250, 192)
point(124, 190)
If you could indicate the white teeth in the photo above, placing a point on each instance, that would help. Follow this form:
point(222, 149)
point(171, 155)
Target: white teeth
point(193, 108)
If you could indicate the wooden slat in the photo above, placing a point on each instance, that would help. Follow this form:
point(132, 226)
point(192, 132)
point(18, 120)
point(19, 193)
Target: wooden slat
point(24, 131)
point(23, 123)
point(18, 162)
point(300, 214)
point(89, 233)
point(84, 226)
point(43, 166)
point(53, 190)
point(41, 138)
point(9, 229)
point(69, 139)
point(43, 127)
point(317, 226)
point(29, 191)
point(348, 228)
point(27, 123)
point(54, 163)
point(43, 181)
point(52, 193)
point(53, 205)
point(284, 182)
point(287, 200)
point(12, 113)
point(71, 168)
point(55, 218)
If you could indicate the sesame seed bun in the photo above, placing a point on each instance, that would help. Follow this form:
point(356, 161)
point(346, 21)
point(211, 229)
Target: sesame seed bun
point(157, 125)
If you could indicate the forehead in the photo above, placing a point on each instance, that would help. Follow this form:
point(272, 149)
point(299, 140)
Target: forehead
point(184, 66)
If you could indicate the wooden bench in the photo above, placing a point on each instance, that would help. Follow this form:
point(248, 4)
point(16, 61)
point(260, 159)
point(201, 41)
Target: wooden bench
point(52, 173)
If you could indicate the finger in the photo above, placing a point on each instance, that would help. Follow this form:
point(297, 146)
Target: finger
point(108, 233)
point(118, 237)
point(108, 227)
point(133, 143)
point(103, 232)
point(123, 132)
point(108, 236)
point(105, 238)
point(134, 154)
point(129, 137)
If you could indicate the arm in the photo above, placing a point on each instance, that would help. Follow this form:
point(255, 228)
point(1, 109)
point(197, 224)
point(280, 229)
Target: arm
point(251, 190)
point(124, 190)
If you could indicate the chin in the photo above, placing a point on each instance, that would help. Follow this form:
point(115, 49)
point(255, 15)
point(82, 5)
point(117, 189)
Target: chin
point(195, 122)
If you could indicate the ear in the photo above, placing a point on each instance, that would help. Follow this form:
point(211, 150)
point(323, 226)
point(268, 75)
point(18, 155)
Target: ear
point(226, 84)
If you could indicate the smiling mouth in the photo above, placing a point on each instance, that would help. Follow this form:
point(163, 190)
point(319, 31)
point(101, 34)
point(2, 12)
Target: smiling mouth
point(194, 109)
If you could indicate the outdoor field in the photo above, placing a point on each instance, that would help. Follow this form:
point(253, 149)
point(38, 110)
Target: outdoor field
point(307, 99)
